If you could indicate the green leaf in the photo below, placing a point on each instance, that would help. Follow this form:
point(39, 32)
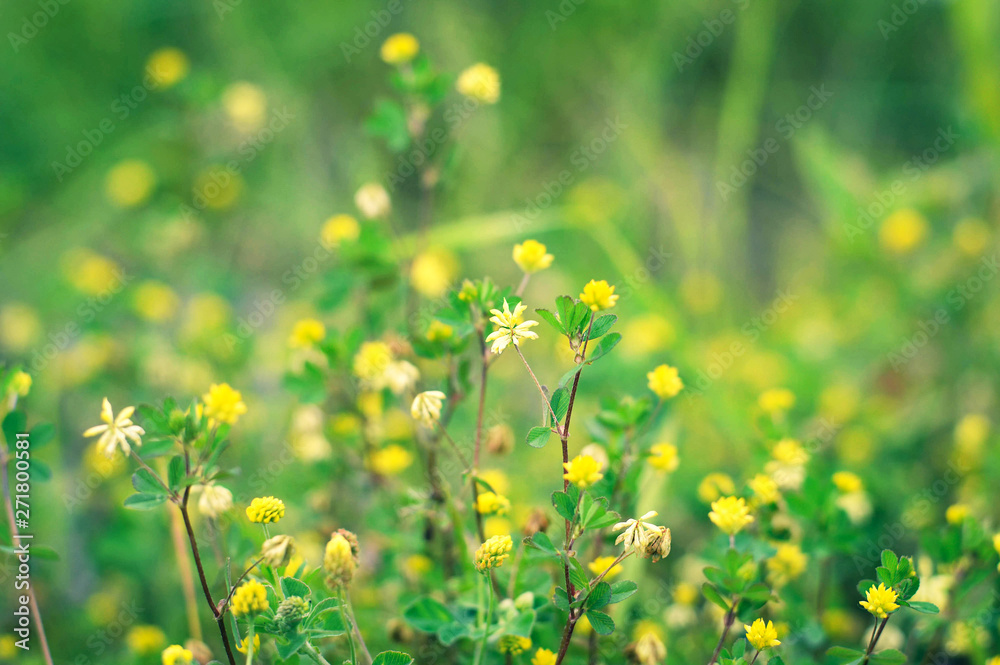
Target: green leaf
point(864, 585)
point(885, 576)
point(565, 306)
point(888, 657)
point(844, 656)
point(392, 658)
point(776, 661)
point(389, 122)
point(41, 434)
point(145, 500)
point(176, 472)
point(14, 424)
point(757, 592)
point(564, 505)
point(890, 561)
point(428, 615)
point(565, 378)
point(739, 648)
point(522, 625)
point(541, 542)
point(294, 587)
point(538, 436)
point(923, 607)
point(287, 647)
point(601, 622)
point(713, 595)
point(551, 319)
point(602, 325)
point(560, 599)
point(560, 402)
point(599, 596)
point(145, 482)
point(604, 347)
point(622, 590)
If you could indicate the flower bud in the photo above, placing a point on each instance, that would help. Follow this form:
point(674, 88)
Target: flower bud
point(290, 613)
point(500, 439)
point(277, 550)
point(341, 558)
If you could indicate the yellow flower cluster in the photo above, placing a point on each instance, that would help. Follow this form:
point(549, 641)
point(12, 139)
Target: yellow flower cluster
point(340, 559)
point(266, 509)
point(847, 482)
point(490, 503)
point(493, 552)
point(543, 657)
point(400, 48)
point(663, 457)
point(601, 563)
point(583, 471)
point(144, 640)
point(515, 645)
point(765, 489)
point(338, 229)
point(249, 599)
point(598, 295)
point(223, 404)
point(480, 82)
point(730, 514)
point(306, 333)
point(242, 646)
point(880, 601)
point(787, 564)
point(175, 654)
point(530, 256)
point(762, 636)
point(665, 382)
point(776, 400)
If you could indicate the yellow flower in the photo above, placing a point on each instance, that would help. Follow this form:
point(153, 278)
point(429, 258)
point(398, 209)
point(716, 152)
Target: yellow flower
point(371, 362)
point(246, 106)
point(583, 471)
point(391, 460)
point(664, 381)
point(490, 503)
point(715, 485)
point(340, 559)
point(167, 66)
point(972, 431)
point(116, 431)
point(515, 645)
point(155, 301)
point(265, 510)
point(530, 256)
point(996, 542)
point(902, 231)
point(143, 640)
point(426, 407)
point(20, 383)
point(8, 647)
point(493, 552)
point(277, 551)
point(175, 654)
point(432, 272)
point(307, 333)
point(663, 457)
point(762, 636)
point(338, 229)
point(249, 599)
point(686, 593)
point(776, 400)
point(510, 327)
point(956, 513)
point(19, 326)
point(764, 488)
point(400, 48)
point(601, 563)
point(880, 601)
point(847, 482)
point(242, 646)
point(787, 563)
point(223, 404)
point(789, 451)
point(971, 236)
point(129, 183)
point(598, 295)
point(439, 332)
point(730, 514)
point(649, 649)
point(480, 82)
point(543, 657)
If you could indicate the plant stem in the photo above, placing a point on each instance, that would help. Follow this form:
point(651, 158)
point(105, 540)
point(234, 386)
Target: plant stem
point(486, 626)
point(541, 391)
point(249, 643)
point(876, 633)
point(348, 627)
point(730, 618)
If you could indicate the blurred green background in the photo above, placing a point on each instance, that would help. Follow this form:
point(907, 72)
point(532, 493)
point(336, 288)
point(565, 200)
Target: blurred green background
point(718, 159)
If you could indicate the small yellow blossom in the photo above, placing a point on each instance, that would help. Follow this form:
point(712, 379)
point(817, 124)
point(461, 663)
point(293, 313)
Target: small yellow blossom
point(341, 558)
point(426, 407)
point(144, 640)
point(686, 593)
point(956, 513)
point(598, 295)
point(764, 488)
point(583, 471)
point(510, 327)
point(902, 231)
point(116, 430)
point(490, 503)
point(175, 654)
point(730, 514)
point(762, 636)
point(664, 381)
point(787, 563)
point(493, 552)
point(400, 48)
point(249, 599)
point(20, 383)
point(515, 645)
point(223, 403)
point(242, 646)
point(167, 66)
point(601, 563)
point(155, 301)
point(306, 333)
point(480, 82)
point(847, 482)
point(338, 229)
point(371, 362)
point(880, 601)
point(776, 400)
point(543, 657)
point(972, 431)
point(530, 256)
point(265, 510)
point(129, 183)
point(439, 332)
point(648, 649)
point(432, 272)
point(789, 451)
point(971, 236)
point(391, 460)
point(715, 485)
point(663, 457)
point(246, 106)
